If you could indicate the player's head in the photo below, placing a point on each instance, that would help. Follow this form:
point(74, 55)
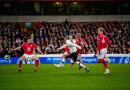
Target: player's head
point(29, 40)
point(70, 38)
point(78, 35)
point(100, 30)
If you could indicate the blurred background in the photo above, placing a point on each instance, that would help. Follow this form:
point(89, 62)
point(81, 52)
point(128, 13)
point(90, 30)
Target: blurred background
point(49, 21)
point(65, 7)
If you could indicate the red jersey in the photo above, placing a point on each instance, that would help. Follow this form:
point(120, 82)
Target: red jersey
point(81, 43)
point(66, 49)
point(28, 48)
point(102, 42)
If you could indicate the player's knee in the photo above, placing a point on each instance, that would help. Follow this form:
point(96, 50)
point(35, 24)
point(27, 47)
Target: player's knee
point(20, 60)
point(37, 59)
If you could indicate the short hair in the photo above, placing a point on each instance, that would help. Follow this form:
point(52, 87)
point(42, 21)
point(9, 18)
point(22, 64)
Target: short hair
point(101, 29)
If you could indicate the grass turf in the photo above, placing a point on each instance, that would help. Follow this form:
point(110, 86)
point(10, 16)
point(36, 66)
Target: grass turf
point(49, 77)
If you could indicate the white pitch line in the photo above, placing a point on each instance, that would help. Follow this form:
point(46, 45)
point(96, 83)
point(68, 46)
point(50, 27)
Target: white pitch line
point(64, 85)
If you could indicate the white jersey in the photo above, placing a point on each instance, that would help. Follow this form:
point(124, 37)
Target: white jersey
point(71, 46)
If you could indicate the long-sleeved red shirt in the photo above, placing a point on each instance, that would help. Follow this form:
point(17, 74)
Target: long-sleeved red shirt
point(102, 42)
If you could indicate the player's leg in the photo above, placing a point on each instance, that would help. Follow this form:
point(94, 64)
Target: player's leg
point(75, 55)
point(62, 61)
point(79, 60)
point(105, 64)
point(71, 61)
point(36, 63)
point(101, 59)
point(106, 58)
point(20, 62)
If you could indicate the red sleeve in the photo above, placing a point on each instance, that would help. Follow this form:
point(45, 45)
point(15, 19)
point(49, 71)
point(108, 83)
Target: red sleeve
point(98, 43)
point(35, 46)
point(66, 49)
point(109, 43)
point(22, 45)
point(84, 44)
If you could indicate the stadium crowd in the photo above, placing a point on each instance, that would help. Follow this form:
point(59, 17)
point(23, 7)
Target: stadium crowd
point(48, 36)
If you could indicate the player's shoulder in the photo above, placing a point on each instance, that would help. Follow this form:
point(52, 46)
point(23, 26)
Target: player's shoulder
point(25, 42)
point(33, 43)
point(98, 37)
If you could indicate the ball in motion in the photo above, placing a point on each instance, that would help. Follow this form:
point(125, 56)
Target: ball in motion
point(7, 57)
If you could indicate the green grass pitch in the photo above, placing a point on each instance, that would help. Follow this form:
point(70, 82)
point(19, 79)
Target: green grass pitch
point(49, 77)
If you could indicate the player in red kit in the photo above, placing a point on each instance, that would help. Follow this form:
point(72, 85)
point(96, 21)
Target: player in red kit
point(82, 44)
point(103, 45)
point(28, 53)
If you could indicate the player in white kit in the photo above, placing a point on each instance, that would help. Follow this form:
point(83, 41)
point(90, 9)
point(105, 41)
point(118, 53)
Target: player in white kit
point(73, 53)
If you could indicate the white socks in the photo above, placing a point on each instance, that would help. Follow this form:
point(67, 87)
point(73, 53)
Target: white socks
point(72, 61)
point(107, 70)
point(62, 61)
point(82, 65)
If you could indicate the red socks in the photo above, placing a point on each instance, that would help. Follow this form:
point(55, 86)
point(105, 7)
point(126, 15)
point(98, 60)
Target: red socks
point(36, 64)
point(20, 63)
point(105, 65)
point(102, 61)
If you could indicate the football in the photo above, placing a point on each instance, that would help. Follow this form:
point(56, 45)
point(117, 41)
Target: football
point(7, 57)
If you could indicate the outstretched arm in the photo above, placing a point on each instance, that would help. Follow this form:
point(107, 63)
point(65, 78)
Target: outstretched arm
point(77, 46)
point(19, 47)
point(16, 48)
point(39, 50)
point(58, 49)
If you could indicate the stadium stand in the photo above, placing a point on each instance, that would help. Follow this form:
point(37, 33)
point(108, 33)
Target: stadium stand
point(47, 36)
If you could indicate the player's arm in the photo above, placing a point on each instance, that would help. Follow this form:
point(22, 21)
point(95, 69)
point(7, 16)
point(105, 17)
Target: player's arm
point(58, 49)
point(98, 44)
point(38, 49)
point(77, 46)
point(16, 48)
point(19, 47)
point(109, 43)
point(85, 46)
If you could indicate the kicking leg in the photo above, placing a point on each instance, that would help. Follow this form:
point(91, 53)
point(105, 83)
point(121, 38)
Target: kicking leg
point(82, 65)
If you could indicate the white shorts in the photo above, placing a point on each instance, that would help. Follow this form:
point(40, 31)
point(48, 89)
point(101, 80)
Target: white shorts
point(28, 57)
point(103, 53)
point(79, 57)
